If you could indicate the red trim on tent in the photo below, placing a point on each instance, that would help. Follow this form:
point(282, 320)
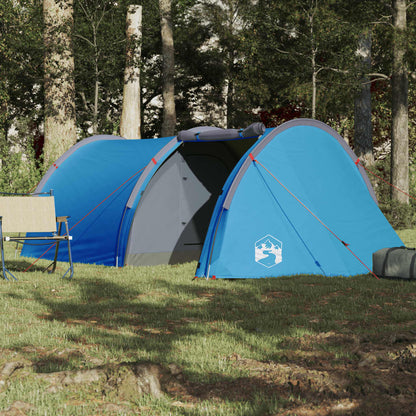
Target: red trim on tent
point(87, 214)
point(358, 162)
point(346, 245)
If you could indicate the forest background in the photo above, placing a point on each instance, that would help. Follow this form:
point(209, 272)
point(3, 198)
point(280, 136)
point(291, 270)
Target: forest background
point(235, 62)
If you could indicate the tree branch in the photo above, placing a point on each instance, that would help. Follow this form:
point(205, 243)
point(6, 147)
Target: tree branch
point(341, 71)
point(379, 76)
point(410, 4)
point(84, 101)
point(84, 38)
point(87, 15)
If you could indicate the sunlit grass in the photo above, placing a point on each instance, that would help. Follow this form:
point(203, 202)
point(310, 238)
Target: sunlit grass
point(408, 237)
point(160, 314)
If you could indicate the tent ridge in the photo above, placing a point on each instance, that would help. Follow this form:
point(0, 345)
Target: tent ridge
point(278, 130)
point(154, 162)
point(72, 150)
point(248, 237)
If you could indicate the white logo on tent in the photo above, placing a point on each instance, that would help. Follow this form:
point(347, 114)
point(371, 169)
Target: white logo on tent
point(268, 251)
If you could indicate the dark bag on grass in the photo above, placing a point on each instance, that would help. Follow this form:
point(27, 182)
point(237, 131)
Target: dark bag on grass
point(395, 263)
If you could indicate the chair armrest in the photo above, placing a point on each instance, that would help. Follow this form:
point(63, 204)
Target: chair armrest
point(61, 219)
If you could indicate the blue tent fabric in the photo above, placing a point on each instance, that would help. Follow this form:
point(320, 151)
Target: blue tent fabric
point(259, 225)
point(86, 177)
point(264, 231)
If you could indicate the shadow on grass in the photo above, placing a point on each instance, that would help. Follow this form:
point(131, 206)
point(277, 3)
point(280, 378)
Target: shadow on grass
point(250, 326)
point(21, 266)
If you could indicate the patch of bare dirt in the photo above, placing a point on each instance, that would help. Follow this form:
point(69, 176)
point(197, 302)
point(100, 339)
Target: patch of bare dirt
point(373, 377)
point(380, 379)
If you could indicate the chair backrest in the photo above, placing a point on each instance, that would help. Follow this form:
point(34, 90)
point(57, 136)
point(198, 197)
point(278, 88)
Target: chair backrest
point(28, 214)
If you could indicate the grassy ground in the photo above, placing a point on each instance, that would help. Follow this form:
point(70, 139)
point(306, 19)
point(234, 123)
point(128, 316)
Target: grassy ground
point(295, 345)
point(408, 237)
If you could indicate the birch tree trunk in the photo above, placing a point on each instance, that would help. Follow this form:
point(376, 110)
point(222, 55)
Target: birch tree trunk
point(130, 117)
point(400, 135)
point(363, 128)
point(313, 62)
point(168, 88)
point(60, 119)
point(313, 10)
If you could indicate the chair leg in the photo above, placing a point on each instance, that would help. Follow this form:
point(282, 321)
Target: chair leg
point(71, 265)
point(3, 265)
point(53, 264)
point(70, 269)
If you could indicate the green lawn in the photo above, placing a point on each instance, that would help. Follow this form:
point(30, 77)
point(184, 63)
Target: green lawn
point(240, 344)
point(408, 237)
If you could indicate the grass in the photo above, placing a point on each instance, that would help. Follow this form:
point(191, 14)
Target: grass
point(107, 315)
point(408, 237)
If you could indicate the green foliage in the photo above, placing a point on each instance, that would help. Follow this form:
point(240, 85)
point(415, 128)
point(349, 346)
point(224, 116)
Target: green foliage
point(21, 60)
point(200, 71)
point(280, 43)
point(20, 171)
point(232, 56)
point(21, 92)
point(99, 48)
point(400, 216)
point(408, 237)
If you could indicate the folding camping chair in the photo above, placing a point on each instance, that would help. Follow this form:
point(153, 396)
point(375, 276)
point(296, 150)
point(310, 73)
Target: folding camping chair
point(33, 213)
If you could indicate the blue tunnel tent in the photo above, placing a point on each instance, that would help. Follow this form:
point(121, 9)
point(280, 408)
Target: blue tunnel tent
point(280, 204)
point(297, 203)
point(142, 202)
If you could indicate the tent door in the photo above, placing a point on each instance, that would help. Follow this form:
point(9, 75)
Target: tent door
point(173, 215)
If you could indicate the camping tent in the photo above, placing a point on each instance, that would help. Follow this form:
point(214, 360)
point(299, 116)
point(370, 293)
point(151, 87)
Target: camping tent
point(141, 202)
point(298, 203)
point(292, 201)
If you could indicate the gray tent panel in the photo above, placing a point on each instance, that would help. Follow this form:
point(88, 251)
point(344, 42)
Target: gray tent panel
point(165, 150)
point(172, 217)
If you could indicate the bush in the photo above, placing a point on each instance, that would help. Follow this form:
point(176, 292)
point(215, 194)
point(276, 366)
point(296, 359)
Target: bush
point(399, 215)
point(19, 172)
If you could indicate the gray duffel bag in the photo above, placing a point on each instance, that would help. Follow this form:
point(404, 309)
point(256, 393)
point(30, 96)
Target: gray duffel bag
point(395, 263)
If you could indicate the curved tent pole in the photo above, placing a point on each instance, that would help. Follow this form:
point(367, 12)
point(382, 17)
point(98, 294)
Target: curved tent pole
point(135, 195)
point(69, 152)
point(289, 124)
point(240, 171)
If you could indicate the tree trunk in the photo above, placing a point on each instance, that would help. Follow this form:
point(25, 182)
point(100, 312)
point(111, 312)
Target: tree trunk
point(314, 81)
point(313, 61)
point(97, 82)
point(363, 128)
point(169, 112)
point(60, 121)
point(130, 116)
point(229, 103)
point(399, 134)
